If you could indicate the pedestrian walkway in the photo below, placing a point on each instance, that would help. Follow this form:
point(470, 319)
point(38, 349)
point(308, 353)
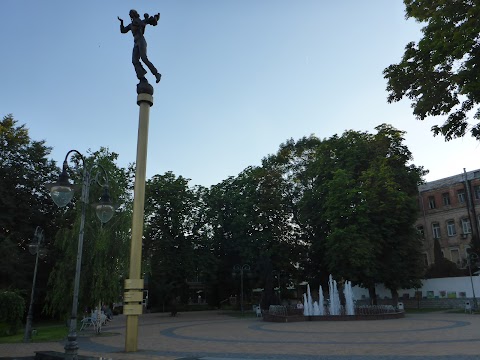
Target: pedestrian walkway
point(213, 335)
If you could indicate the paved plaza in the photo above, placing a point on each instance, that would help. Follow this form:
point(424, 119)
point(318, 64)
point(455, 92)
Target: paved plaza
point(213, 335)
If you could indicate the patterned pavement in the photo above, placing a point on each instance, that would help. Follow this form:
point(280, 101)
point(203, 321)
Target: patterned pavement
point(211, 335)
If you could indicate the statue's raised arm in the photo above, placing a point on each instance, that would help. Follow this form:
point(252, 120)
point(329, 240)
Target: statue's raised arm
point(137, 27)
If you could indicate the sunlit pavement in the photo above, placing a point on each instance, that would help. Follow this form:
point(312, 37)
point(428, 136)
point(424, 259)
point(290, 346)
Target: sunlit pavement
point(213, 335)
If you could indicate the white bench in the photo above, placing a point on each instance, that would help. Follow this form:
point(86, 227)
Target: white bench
point(94, 320)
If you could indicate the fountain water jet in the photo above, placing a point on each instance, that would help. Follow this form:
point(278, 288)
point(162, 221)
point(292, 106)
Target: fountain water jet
point(349, 302)
point(305, 305)
point(320, 300)
point(316, 309)
point(334, 298)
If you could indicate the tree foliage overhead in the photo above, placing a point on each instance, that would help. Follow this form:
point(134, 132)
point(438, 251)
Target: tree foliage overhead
point(177, 248)
point(252, 225)
point(294, 162)
point(24, 201)
point(441, 73)
point(12, 307)
point(345, 206)
point(355, 202)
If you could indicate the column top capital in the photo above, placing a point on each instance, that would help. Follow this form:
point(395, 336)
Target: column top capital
point(145, 98)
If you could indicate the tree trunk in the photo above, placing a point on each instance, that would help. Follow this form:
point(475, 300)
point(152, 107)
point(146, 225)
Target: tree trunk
point(373, 295)
point(394, 296)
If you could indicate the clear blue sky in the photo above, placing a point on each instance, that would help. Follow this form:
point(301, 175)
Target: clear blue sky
point(238, 79)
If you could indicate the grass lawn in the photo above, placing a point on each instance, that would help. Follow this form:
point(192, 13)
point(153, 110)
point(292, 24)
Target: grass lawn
point(45, 332)
point(48, 332)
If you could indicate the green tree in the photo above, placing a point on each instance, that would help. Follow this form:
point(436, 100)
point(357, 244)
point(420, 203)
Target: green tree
point(440, 73)
point(251, 224)
point(392, 188)
point(12, 308)
point(351, 246)
point(222, 213)
point(24, 204)
point(176, 242)
point(293, 162)
point(374, 206)
point(354, 197)
point(336, 170)
point(392, 211)
point(105, 247)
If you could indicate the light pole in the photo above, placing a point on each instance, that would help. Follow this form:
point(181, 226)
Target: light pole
point(62, 193)
point(241, 269)
point(472, 256)
point(35, 248)
point(277, 275)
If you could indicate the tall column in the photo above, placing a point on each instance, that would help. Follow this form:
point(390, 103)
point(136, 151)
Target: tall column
point(134, 285)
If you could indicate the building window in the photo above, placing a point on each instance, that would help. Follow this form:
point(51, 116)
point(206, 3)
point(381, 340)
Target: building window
point(461, 196)
point(425, 259)
point(476, 191)
point(421, 231)
point(451, 228)
point(466, 228)
point(446, 199)
point(431, 202)
point(436, 230)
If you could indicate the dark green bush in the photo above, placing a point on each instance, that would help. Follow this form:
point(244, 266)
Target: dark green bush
point(12, 308)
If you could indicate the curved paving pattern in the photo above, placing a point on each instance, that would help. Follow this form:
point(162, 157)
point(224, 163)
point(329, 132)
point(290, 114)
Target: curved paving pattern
point(211, 335)
point(347, 334)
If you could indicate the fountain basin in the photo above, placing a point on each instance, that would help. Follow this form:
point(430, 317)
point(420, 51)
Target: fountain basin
point(361, 313)
point(296, 318)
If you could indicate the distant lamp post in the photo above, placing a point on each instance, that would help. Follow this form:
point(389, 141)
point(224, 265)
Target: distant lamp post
point(241, 269)
point(35, 248)
point(62, 193)
point(472, 257)
point(277, 275)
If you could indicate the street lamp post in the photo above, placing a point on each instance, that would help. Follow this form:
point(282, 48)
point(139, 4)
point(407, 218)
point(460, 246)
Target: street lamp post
point(470, 257)
point(62, 193)
point(277, 275)
point(241, 269)
point(35, 248)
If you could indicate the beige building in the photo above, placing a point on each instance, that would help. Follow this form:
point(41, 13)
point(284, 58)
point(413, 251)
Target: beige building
point(450, 211)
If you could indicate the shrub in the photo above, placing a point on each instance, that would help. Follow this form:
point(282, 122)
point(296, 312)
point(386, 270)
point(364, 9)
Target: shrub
point(12, 307)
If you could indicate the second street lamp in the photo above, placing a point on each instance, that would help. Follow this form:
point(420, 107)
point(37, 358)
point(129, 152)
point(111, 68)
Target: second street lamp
point(62, 193)
point(37, 249)
point(472, 257)
point(241, 269)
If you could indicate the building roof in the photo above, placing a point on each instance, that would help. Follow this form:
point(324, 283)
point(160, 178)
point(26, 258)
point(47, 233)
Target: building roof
point(449, 181)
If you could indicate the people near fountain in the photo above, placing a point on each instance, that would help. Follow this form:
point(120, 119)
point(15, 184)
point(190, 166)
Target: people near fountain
point(108, 312)
point(299, 305)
